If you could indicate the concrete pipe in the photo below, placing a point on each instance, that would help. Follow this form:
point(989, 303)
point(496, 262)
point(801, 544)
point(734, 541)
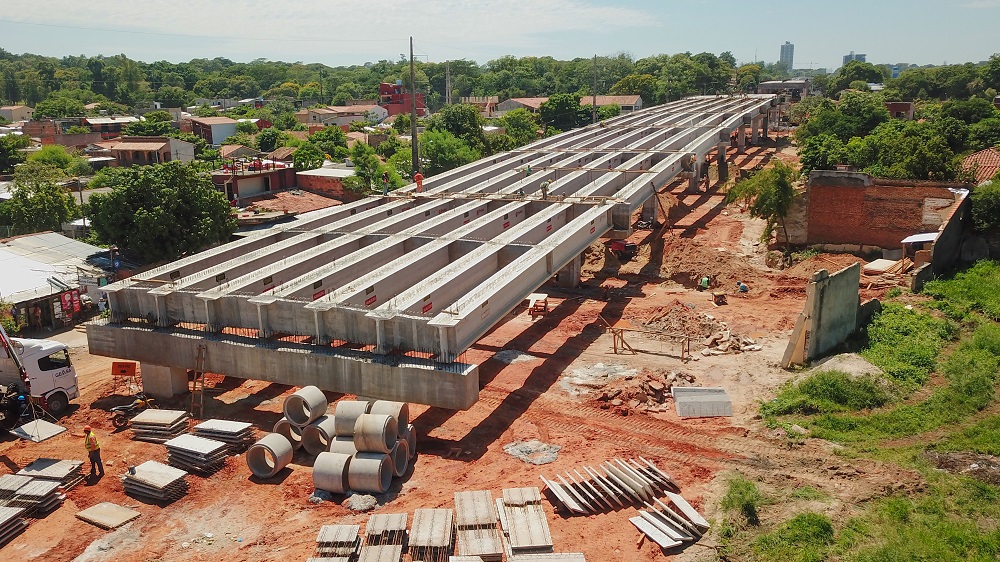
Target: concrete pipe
point(346, 413)
point(343, 444)
point(411, 440)
point(317, 435)
point(330, 472)
point(269, 455)
point(289, 431)
point(398, 410)
point(375, 433)
point(305, 406)
point(369, 472)
point(400, 456)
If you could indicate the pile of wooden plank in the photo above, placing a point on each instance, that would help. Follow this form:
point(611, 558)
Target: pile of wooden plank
point(196, 454)
point(670, 526)
point(338, 541)
point(523, 521)
point(159, 426)
point(66, 472)
point(614, 485)
point(156, 481)
point(476, 522)
point(238, 436)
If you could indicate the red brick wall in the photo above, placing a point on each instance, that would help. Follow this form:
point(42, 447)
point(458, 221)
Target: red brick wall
point(331, 187)
point(855, 209)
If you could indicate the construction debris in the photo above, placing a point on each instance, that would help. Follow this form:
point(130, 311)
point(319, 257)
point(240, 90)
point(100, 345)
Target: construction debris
point(66, 472)
point(159, 426)
point(718, 339)
point(338, 541)
point(476, 522)
point(238, 436)
point(699, 402)
point(671, 527)
point(156, 481)
point(619, 485)
point(196, 454)
point(523, 521)
point(108, 515)
point(533, 451)
point(431, 535)
point(646, 392)
point(12, 523)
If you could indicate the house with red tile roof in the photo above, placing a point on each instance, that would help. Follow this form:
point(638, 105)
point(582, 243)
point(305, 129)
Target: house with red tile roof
point(983, 164)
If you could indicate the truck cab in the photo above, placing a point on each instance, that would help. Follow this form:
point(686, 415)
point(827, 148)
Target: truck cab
point(51, 376)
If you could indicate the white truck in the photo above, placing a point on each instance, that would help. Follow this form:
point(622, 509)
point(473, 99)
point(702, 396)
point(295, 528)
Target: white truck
point(41, 369)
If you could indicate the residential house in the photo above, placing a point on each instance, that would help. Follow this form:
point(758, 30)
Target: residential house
point(109, 126)
point(531, 104)
point(217, 103)
point(53, 131)
point(16, 112)
point(984, 164)
point(327, 181)
point(628, 104)
point(316, 116)
point(900, 109)
point(487, 105)
point(215, 130)
point(142, 151)
point(342, 115)
point(237, 151)
point(261, 124)
point(282, 154)
point(239, 180)
point(395, 99)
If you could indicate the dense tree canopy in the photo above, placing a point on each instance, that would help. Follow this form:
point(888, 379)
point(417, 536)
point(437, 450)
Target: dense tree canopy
point(160, 212)
point(38, 202)
point(768, 195)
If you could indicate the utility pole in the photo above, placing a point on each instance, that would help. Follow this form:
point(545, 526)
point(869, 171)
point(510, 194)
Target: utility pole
point(447, 83)
point(594, 104)
point(414, 150)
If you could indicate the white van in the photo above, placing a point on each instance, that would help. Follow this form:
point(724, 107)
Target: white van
point(50, 372)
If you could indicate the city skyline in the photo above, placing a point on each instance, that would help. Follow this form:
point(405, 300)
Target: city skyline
point(488, 29)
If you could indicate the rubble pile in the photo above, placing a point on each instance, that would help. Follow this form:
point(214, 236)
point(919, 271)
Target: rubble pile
point(680, 318)
point(646, 392)
point(724, 341)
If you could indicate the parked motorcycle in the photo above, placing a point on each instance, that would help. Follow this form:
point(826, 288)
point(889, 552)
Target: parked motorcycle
point(122, 415)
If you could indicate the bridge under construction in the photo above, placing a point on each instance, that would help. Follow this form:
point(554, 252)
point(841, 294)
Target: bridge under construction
point(380, 297)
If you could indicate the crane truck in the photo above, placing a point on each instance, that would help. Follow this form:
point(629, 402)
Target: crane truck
point(39, 369)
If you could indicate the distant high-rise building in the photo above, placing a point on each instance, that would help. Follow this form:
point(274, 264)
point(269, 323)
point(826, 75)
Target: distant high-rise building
point(787, 55)
point(860, 57)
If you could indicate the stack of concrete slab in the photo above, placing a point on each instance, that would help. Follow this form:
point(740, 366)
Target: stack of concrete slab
point(671, 525)
point(66, 472)
point(38, 497)
point(701, 402)
point(9, 484)
point(196, 454)
point(238, 436)
point(381, 553)
point(523, 521)
point(159, 426)
point(12, 523)
point(476, 521)
point(156, 481)
point(385, 536)
point(336, 542)
point(613, 485)
point(432, 534)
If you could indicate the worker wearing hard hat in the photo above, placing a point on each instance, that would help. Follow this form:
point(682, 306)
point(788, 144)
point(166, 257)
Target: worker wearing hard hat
point(93, 451)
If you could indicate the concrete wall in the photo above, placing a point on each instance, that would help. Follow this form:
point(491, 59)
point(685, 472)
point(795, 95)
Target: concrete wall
point(401, 378)
point(854, 208)
point(947, 248)
point(830, 315)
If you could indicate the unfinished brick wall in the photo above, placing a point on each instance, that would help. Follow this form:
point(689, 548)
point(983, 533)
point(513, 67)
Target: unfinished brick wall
point(330, 187)
point(854, 208)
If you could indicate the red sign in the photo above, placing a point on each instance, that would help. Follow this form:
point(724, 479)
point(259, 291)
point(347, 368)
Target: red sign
point(371, 300)
point(427, 308)
point(592, 229)
point(66, 301)
point(76, 300)
point(506, 224)
point(548, 228)
point(319, 294)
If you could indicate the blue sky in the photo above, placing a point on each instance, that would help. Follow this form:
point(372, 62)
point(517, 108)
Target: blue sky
point(342, 32)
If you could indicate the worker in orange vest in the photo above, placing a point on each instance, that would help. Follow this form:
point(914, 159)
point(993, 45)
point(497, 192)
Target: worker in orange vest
point(93, 451)
point(419, 178)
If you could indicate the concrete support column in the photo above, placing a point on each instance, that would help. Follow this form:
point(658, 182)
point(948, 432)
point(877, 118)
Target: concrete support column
point(569, 276)
point(649, 209)
point(764, 125)
point(163, 382)
point(694, 182)
point(380, 344)
point(755, 130)
point(723, 162)
point(741, 143)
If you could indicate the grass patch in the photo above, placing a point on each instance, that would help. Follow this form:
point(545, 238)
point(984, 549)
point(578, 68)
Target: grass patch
point(743, 497)
point(807, 537)
point(828, 392)
point(976, 289)
point(983, 438)
point(808, 493)
point(905, 343)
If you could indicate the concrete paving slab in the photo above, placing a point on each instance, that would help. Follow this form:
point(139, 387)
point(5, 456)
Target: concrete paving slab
point(195, 444)
point(475, 508)
point(699, 402)
point(51, 469)
point(108, 515)
point(223, 426)
point(157, 474)
point(154, 416)
point(432, 528)
point(37, 431)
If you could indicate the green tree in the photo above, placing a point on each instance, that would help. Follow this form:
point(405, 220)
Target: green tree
point(521, 125)
point(854, 71)
point(56, 156)
point(367, 167)
point(160, 212)
point(37, 202)
point(463, 121)
point(608, 111)
point(148, 128)
point(643, 85)
point(159, 116)
point(390, 146)
point(564, 112)
point(985, 134)
point(986, 206)
point(307, 157)
point(402, 124)
point(246, 127)
point(205, 111)
point(200, 144)
point(57, 107)
point(822, 152)
point(269, 139)
point(173, 96)
point(442, 151)
point(242, 139)
point(331, 140)
point(11, 151)
point(768, 194)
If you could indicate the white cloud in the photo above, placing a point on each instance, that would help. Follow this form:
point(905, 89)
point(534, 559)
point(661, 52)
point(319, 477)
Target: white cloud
point(304, 29)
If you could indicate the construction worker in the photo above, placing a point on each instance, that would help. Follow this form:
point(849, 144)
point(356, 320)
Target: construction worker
point(704, 283)
point(544, 186)
point(741, 287)
point(385, 182)
point(527, 171)
point(93, 451)
point(419, 178)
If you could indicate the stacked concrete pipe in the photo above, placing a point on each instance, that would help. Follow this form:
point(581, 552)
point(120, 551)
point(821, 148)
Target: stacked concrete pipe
point(289, 431)
point(305, 405)
point(375, 433)
point(400, 411)
point(411, 440)
point(316, 436)
point(330, 472)
point(346, 413)
point(269, 455)
point(370, 472)
point(400, 457)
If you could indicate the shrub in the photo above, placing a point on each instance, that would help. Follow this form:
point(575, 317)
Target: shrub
point(986, 206)
point(743, 496)
point(905, 343)
point(827, 392)
point(805, 538)
point(976, 289)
